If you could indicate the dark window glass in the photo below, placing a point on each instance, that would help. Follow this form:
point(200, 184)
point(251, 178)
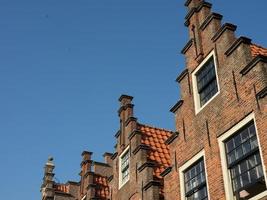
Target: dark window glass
point(195, 182)
point(206, 81)
point(125, 166)
point(244, 163)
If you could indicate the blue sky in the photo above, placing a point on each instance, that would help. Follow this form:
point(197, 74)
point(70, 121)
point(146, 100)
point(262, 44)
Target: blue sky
point(64, 63)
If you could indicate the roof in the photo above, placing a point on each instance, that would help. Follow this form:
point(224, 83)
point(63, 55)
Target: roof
point(160, 153)
point(258, 50)
point(101, 189)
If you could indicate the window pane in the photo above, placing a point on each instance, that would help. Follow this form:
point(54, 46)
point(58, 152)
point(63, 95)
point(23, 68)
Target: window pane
point(235, 171)
point(259, 171)
point(199, 195)
point(243, 167)
point(254, 142)
point(251, 161)
point(237, 140)
point(252, 130)
point(244, 179)
point(239, 152)
point(229, 146)
point(231, 157)
point(246, 147)
point(245, 135)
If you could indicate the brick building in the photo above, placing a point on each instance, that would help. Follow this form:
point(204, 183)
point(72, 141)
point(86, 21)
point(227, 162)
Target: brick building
point(132, 172)
point(218, 150)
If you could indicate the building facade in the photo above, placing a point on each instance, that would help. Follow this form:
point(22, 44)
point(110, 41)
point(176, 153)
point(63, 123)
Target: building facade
point(220, 152)
point(219, 147)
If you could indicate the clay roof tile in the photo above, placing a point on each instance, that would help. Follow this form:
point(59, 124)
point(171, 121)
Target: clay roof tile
point(159, 153)
point(258, 50)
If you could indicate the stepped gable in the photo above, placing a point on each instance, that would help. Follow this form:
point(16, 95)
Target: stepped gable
point(101, 187)
point(160, 154)
point(258, 50)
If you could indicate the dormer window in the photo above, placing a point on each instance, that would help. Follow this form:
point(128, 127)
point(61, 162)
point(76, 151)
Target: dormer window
point(205, 82)
point(124, 173)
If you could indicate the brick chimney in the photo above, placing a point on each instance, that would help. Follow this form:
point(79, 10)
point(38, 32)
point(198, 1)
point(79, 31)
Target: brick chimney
point(127, 120)
point(47, 189)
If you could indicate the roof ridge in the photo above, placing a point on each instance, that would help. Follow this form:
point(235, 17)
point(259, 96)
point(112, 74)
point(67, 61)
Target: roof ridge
point(150, 126)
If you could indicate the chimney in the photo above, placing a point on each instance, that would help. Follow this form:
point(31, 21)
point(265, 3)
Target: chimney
point(127, 120)
point(47, 188)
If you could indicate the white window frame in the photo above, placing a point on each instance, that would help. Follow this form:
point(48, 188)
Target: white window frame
point(226, 173)
point(187, 165)
point(121, 184)
point(198, 107)
point(84, 197)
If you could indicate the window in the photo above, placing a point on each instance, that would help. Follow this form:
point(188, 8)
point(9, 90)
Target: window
point(193, 179)
point(205, 83)
point(124, 167)
point(243, 162)
point(195, 182)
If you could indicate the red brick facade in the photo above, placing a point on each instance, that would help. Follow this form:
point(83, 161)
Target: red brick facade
point(241, 70)
point(157, 157)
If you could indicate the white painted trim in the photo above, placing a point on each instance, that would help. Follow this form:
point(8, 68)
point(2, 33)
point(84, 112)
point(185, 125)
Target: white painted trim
point(188, 164)
point(226, 173)
point(120, 174)
point(198, 107)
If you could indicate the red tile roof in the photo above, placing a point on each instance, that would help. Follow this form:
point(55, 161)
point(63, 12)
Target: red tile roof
point(258, 50)
point(160, 154)
point(102, 189)
point(61, 188)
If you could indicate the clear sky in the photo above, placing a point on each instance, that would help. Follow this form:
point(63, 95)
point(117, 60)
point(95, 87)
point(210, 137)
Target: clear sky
point(64, 63)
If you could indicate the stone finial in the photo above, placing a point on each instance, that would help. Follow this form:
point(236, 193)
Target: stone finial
point(50, 161)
